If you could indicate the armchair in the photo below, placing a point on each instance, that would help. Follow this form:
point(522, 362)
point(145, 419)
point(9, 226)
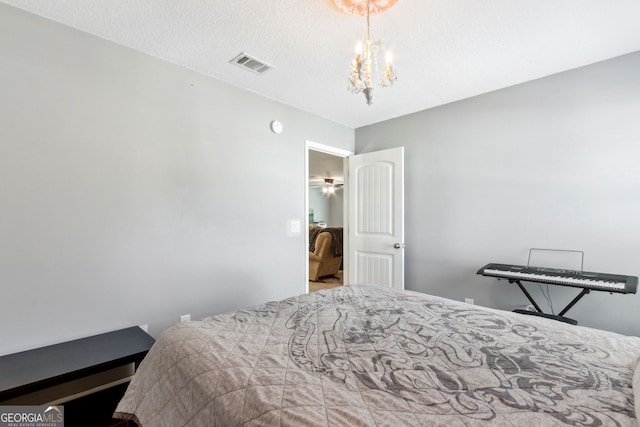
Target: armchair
point(323, 260)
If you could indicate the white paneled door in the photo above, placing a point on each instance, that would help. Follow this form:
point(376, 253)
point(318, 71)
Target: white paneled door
point(376, 218)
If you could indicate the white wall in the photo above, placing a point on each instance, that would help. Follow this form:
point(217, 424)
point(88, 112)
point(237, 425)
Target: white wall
point(133, 190)
point(552, 163)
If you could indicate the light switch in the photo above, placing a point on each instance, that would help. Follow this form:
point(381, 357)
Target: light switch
point(294, 227)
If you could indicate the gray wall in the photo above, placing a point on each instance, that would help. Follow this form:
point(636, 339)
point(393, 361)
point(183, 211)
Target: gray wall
point(328, 209)
point(133, 191)
point(336, 209)
point(552, 163)
point(320, 205)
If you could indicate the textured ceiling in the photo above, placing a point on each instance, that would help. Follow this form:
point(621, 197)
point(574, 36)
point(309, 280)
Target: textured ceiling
point(444, 50)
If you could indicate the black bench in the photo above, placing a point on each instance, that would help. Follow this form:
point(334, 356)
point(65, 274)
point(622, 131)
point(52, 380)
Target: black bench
point(22, 374)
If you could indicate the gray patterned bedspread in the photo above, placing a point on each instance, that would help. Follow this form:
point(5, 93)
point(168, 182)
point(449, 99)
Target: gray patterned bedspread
point(365, 356)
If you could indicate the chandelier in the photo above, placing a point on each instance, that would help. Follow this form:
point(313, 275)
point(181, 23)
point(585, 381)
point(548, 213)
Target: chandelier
point(365, 72)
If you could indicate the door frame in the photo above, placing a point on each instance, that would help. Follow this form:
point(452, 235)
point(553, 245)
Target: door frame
point(339, 152)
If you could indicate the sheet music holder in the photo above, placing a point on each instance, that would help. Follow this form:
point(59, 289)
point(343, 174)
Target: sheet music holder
point(561, 259)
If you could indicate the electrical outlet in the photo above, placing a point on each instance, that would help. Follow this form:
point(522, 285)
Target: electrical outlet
point(469, 301)
point(185, 318)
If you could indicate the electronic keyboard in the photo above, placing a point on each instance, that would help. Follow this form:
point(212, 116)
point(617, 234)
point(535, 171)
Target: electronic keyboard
point(580, 279)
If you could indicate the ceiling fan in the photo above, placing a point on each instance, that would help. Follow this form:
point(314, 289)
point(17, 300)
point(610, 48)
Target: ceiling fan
point(329, 185)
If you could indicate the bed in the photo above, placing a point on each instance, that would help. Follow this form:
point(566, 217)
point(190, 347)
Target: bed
point(368, 356)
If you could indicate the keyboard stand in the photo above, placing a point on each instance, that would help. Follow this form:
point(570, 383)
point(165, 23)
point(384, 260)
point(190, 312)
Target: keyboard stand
point(560, 317)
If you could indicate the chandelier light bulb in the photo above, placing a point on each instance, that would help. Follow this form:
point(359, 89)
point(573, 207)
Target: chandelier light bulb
point(359, 47)
point(388, 57)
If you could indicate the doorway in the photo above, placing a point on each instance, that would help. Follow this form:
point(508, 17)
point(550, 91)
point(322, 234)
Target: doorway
point(325, 204)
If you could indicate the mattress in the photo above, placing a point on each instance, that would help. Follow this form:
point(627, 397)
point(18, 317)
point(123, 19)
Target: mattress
point(369, 356)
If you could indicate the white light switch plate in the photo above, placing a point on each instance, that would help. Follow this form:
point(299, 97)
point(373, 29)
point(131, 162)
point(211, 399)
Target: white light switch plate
point(294, 227)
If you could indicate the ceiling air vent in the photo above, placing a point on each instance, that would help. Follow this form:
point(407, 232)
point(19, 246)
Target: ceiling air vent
point(250, 63)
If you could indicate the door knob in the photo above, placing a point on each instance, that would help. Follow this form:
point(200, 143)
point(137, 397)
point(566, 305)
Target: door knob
point(398, 245)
